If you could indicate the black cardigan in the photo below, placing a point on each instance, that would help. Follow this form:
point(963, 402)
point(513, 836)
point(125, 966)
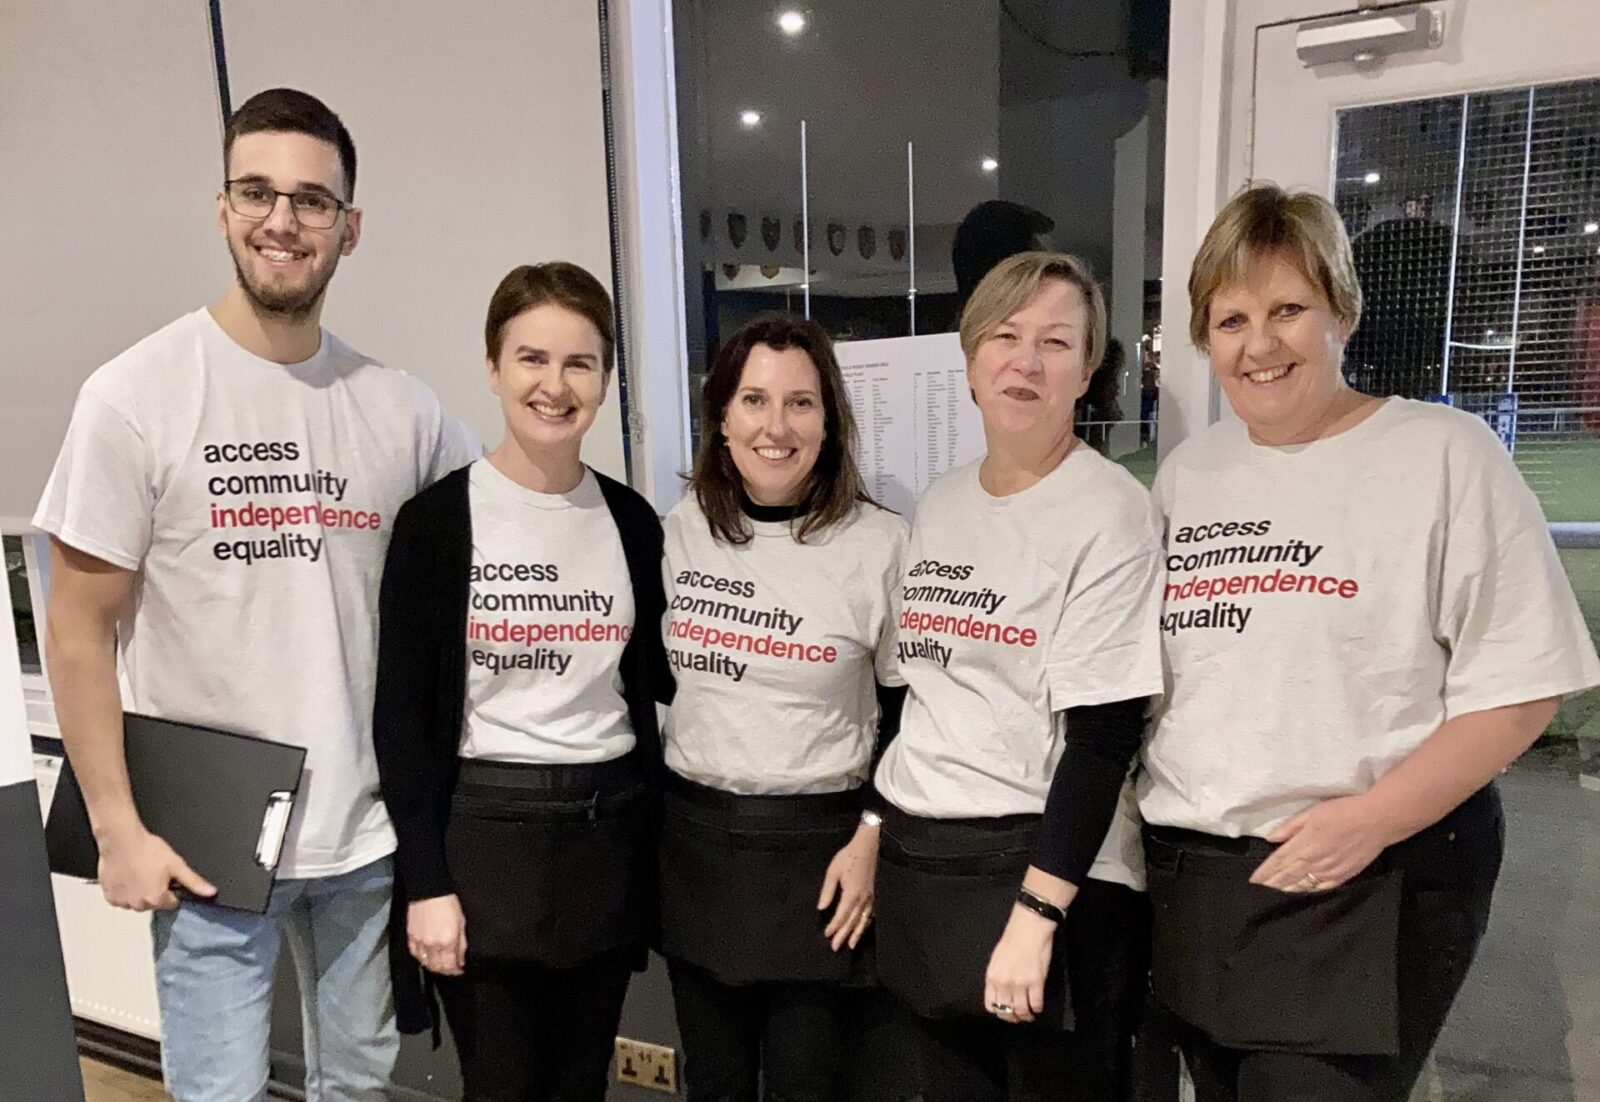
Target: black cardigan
point(422, 685)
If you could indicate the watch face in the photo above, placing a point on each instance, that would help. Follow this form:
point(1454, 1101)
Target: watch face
point(871, 818)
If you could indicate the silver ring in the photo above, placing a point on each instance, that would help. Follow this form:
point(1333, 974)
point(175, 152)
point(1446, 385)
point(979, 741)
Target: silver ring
point(1002, 1008)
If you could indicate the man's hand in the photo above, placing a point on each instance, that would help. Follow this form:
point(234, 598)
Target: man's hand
point(138, 870)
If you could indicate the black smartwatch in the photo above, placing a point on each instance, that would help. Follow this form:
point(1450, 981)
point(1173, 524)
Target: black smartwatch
point(1041, 906)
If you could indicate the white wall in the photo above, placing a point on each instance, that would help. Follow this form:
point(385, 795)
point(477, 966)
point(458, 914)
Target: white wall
point(1198, 86)
point(480, 135)
point(111, 137)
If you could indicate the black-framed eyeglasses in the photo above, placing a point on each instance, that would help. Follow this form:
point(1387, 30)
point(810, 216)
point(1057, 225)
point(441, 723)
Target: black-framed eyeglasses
point(315, 210)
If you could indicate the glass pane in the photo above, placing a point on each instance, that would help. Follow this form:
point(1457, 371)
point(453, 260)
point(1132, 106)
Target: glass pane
point(1476, 223)
point(1476, 226)
point(1028, 121)
point(21, 604)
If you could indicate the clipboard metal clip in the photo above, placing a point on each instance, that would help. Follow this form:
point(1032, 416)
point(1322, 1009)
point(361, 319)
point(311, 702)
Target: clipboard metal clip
point(274, 826)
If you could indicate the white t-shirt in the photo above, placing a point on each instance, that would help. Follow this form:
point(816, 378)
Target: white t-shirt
point(550, 610)
point(1329, 605)
point(255, 501)
point(776, 646)
point(1012, 610)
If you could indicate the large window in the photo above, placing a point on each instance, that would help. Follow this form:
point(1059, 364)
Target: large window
point(918, 117)
point(1476, 225)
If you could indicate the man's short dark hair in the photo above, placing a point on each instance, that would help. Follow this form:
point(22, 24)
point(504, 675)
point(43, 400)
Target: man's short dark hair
point(292, 111)
point(991, 232)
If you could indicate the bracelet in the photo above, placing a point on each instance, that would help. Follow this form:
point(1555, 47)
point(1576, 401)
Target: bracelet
point(1041, 906)
point(871, 818)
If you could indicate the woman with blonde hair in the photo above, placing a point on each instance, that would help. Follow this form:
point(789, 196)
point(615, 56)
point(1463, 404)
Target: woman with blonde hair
point(1011, 918)
point(1365, 621)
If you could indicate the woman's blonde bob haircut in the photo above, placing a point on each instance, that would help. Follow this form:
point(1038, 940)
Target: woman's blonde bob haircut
point(1264, 219)
point(1013, 283)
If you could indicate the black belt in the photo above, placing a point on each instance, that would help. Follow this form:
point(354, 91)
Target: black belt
point(560, 781)
point(737, 806)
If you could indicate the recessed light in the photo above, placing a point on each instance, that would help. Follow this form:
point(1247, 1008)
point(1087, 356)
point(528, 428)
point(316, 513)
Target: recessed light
point(1538, 250)
point(989, 164)
point(1591, 227)
point(1488, 332)
point(791, 23)
point(750, 118)
point(1371, 178)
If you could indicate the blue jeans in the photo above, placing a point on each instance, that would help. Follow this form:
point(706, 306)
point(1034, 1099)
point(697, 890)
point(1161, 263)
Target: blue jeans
point(214, 972)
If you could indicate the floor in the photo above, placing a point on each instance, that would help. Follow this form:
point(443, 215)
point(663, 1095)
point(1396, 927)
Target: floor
point(105, 1083)
point(1525, 1025)
point(1524, 1028)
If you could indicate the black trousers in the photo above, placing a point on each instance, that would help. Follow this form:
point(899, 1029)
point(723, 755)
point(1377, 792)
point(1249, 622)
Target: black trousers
point(527, 1033)
point(1447, 877)
point(973, 1059)
point(553, 865)
point(783, 1042)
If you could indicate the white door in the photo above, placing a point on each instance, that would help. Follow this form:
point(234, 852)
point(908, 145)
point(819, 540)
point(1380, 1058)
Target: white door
point(1467, 169)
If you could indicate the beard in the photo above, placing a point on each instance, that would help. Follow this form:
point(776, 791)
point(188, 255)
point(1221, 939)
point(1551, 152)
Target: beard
point(289, 303)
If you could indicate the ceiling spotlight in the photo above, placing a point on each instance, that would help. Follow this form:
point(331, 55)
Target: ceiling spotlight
point(1538, 250)
point(791, 23)
point(1488, 332)
point(750, 118)
point(989, 164)
point(1371, 178)
point(1591, 227)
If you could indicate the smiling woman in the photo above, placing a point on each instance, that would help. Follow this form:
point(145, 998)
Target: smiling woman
point(785, 693)
point(1275, 300)
point(534, 584)
point(1322, 848)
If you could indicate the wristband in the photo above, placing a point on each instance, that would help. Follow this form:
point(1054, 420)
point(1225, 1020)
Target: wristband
point(1041, 906)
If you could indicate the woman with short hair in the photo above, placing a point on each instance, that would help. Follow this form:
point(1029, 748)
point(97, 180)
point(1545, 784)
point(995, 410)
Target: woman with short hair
point(519, 662)
point(1365, 621)
point(1011, 914)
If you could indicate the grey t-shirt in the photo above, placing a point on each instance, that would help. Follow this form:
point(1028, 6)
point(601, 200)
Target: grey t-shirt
point(1012, 610)
point(550, 610)
point(1329, 605)
point(255, 499)
point(776, 646)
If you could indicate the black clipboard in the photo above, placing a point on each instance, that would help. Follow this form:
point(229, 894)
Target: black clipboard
point(221, 800)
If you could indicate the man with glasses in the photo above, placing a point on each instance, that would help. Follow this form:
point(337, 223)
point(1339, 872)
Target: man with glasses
point(219, 513)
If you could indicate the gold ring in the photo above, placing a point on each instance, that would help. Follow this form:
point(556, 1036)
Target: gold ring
point(1312, 882)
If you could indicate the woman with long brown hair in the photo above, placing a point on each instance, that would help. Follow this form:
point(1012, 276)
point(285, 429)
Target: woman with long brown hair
point(778, 571)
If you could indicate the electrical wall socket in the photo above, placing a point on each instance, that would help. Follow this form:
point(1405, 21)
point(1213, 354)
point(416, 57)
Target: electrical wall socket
point(643, 1064)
